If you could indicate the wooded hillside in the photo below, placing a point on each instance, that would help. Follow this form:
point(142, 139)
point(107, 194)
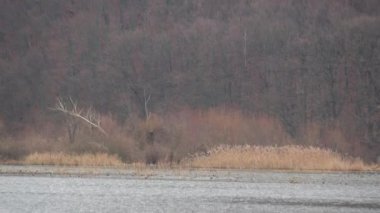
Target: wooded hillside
point(311, 66)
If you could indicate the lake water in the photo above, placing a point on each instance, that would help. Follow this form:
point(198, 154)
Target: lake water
point(354, 193)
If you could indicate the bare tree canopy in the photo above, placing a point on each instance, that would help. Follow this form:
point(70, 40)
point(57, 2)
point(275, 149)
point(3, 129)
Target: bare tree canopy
point(304, 63)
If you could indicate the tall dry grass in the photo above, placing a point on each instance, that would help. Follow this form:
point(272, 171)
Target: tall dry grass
point(63, 159)
point(288, 157)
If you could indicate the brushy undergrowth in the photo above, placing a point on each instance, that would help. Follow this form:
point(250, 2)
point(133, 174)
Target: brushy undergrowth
point(242, 141)
point(288, 157)
point(62, 159)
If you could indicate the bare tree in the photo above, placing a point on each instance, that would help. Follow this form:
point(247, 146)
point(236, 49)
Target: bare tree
point(146, 102)
point(245, 49)
point(75, 115)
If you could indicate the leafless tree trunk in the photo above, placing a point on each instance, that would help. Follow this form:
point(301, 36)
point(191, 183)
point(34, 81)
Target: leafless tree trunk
point(72, 126)
point(245, 49)
point(146, 102)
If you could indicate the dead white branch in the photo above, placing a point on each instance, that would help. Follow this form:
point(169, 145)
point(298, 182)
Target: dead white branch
point(90, 117)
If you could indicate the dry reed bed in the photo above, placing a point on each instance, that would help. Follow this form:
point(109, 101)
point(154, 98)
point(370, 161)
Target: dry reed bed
point(223, 157)
point(278, 158)
point(63, 159)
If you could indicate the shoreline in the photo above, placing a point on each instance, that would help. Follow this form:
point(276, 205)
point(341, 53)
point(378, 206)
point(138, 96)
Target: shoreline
point(185, 174)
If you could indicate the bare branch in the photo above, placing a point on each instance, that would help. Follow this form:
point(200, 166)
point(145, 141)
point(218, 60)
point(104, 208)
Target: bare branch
point(90, 117)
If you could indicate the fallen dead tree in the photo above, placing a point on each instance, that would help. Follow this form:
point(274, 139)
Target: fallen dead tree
point(75, 115)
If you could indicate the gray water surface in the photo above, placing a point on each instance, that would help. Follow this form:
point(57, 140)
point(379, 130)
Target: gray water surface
point(355, 193)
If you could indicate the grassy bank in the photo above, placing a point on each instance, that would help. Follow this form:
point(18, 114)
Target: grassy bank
point(62, 159)
point(277, 158)
point(223, 157)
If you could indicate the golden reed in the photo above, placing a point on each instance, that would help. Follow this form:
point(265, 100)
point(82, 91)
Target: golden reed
point(288, 157)
point(63, 159)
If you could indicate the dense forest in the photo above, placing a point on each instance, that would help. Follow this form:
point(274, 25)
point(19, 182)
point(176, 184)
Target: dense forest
point(172, 76)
